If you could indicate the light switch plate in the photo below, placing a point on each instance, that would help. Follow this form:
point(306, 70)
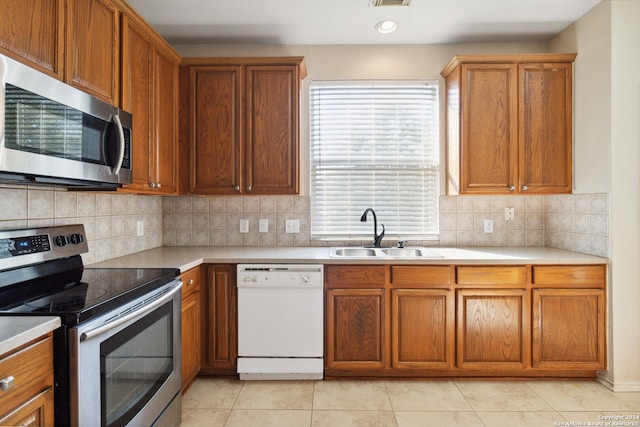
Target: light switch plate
point(292, 226)
point(263, 225)
point(139, 228)
point(244, 225)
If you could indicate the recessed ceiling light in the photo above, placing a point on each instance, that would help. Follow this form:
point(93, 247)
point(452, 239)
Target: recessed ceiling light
point(386, 27)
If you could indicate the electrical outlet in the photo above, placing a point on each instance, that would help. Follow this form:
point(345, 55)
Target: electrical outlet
point(292, 226)
point(139, 228)
point(509, 214)
point(244, 225)
point(488, 226)
point(263, 225)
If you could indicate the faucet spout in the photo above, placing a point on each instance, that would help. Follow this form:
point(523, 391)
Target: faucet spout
point(377, 238)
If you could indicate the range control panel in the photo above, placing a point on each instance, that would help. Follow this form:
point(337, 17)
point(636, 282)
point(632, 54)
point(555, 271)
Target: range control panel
point(32, 245)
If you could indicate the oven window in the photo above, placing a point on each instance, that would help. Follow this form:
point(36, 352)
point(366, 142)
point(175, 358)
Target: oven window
point(134, 364)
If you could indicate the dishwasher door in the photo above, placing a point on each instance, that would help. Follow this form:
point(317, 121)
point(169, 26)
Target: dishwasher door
point(280, 321)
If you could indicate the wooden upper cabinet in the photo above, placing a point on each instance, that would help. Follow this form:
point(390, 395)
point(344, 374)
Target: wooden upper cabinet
point(489, 152)
point(272, 129)
point(509, 124)
point(150, 94)
point(545, 127)
point(215, 166)
point(164, 152)
point(137, 76)
point(242, 129)
point(32, 32)
point(93, 48)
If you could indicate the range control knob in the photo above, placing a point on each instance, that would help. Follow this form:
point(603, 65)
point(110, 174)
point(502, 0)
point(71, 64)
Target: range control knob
point(76, 238)
point(61, 240)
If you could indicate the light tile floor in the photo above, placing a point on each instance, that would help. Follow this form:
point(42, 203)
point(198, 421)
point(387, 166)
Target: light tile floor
point(214, 402)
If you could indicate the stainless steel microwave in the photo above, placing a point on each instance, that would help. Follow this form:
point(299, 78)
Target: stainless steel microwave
point(54, 134)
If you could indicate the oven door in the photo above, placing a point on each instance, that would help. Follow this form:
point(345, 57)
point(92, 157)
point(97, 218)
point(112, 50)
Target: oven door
point(126, 365)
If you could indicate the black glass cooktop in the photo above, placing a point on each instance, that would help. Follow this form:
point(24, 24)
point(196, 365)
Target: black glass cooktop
point(80, 294)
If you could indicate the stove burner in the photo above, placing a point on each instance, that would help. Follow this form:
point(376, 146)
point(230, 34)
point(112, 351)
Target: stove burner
point(68, 300)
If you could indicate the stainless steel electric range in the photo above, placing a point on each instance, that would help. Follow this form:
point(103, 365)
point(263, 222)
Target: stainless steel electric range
point(118, 351)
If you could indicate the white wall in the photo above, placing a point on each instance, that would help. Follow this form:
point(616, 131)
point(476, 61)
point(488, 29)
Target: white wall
point(625, 193)
point(607, 158)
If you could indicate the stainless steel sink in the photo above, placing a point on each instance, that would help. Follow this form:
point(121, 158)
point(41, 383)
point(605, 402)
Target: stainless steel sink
point(354, 252)
point(409, 252)
point(406, 252)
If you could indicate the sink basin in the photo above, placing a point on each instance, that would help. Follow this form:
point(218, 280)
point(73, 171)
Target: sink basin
point(412, 252)
point(402, 252)
point(355, 252)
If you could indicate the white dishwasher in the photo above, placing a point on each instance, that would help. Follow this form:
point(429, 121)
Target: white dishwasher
point(280, 321)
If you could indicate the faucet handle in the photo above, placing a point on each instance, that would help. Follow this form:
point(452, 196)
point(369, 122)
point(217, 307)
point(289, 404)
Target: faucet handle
point(401, 243)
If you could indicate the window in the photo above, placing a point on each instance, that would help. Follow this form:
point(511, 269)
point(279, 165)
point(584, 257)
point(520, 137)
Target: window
point(374, 144)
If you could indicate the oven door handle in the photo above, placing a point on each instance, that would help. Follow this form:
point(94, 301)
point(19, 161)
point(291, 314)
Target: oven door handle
point(137, 313)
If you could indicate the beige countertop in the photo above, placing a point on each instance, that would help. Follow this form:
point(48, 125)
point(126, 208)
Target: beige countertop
point(185, 258)
point(18, 330)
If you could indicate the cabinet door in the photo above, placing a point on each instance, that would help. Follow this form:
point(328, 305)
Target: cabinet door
point(219, 322)
point(164, 159)
point(492, 329)
point(35, 412)
point(545, 127)
point(191, 314)
point(355, 329)
point(93, 47)
point(32, 31)
point(422, 328)
point(215, 123)
point(137, 79)
point(488, 114)
point(569, 328)
point(272, 104)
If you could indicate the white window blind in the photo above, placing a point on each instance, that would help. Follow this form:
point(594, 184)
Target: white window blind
point(374, 144)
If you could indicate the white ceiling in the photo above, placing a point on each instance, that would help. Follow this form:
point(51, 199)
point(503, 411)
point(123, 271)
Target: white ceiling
point(301, 22)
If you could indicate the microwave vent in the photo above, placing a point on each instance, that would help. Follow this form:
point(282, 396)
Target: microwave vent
point(380, 3)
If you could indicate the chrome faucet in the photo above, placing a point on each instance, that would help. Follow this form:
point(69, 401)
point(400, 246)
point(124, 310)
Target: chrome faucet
point(377, 238)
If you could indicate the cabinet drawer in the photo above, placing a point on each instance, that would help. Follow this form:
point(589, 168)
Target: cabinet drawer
point(32, 370)
point(355, 275)
point(190, 282)
point(491, 275)
point(417, 276)
point(582, 276)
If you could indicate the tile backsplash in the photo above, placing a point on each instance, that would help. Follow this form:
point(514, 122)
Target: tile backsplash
point(577, 222)
point(110, 220)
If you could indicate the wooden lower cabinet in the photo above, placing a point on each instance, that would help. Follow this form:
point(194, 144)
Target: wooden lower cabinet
point(29, 401)
point(191, 316)
point(219, 321)
point(568, 328)
point(422, 328)
point(492, 329)
point(465, 321)
point(356, 329)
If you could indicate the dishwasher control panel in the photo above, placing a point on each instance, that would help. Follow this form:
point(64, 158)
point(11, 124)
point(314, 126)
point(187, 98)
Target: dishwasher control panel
point(280, 275)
